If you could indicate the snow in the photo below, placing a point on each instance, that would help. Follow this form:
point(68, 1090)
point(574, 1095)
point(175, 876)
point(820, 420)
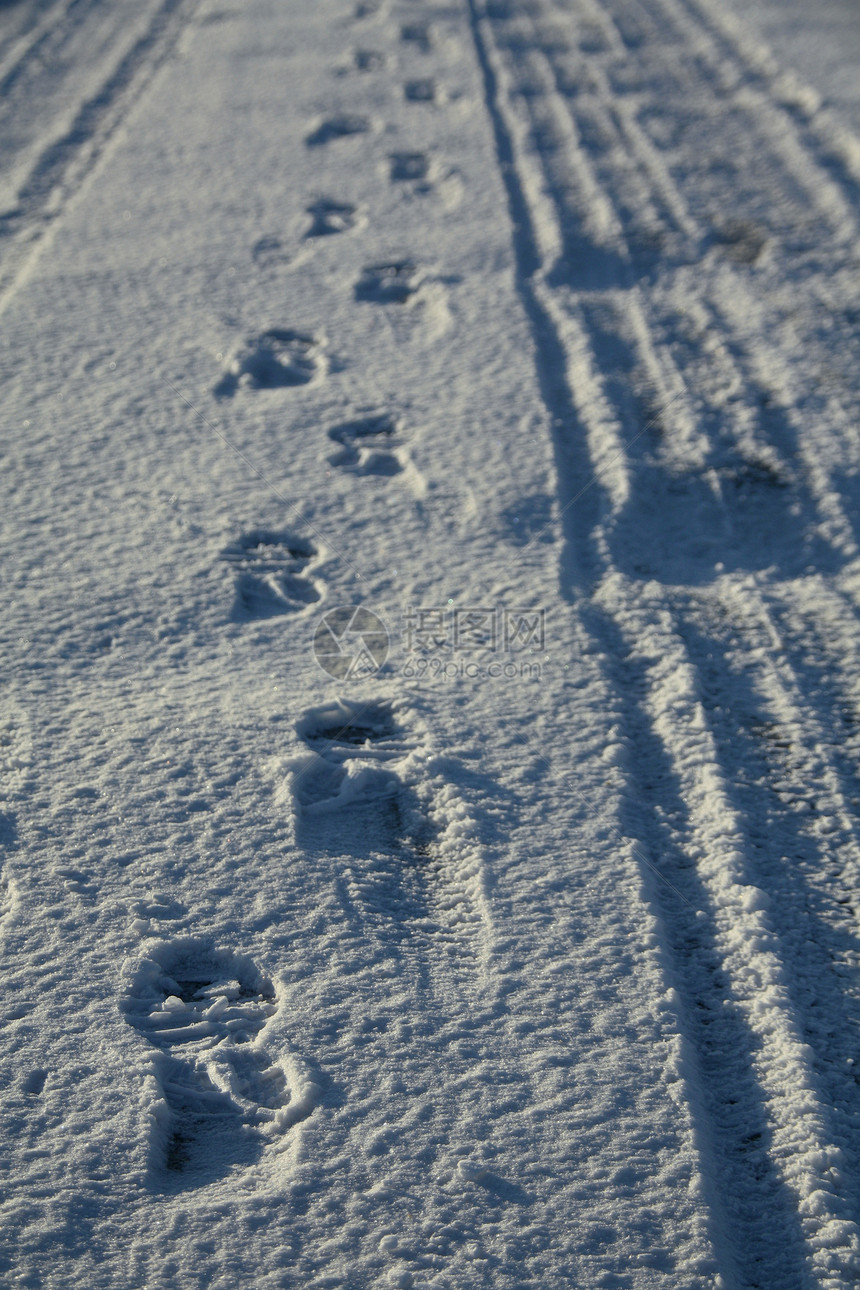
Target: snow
point(428, 747)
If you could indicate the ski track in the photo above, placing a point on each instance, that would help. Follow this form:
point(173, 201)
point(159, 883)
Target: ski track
point(602, 117)
point(60, 170)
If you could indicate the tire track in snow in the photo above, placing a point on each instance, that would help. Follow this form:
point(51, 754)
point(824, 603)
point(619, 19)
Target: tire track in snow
point(564, 249)
point(720, 41)
point(673, 56)
point(791, 796)
point(65, 163)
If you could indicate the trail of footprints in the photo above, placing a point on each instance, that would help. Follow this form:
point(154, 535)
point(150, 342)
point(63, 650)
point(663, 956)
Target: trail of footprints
point(271, 569)
point(221, 1097)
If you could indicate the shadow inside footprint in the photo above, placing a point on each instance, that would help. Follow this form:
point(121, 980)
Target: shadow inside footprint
point(337, 127)
point(384, 284)
point(330, 217)
point(270, 574)
point(741, 240)
point(276, 358)
point(348, 725)
point(221, 1094)
point(206, 1137)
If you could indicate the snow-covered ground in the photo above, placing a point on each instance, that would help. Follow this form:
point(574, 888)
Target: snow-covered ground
point(430, 730)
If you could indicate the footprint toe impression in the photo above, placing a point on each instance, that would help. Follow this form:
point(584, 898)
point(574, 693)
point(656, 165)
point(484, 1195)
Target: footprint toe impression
point(349, 745)
point(202, 1010)
point(271, 574)
point(368, 60)
point(418, 34)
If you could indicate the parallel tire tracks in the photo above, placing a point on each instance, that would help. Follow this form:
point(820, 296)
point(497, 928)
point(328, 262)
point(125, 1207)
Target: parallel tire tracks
point(639, 292)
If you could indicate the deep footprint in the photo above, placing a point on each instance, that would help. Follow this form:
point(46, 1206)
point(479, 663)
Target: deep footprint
point(330, 217)
point(385, 284)
point(337, 127)
point(270, 574)
point(366, 445)
point(275, 359)
point(222, 1095)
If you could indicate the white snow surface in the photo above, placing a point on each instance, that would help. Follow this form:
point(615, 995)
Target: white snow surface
point(430, 722)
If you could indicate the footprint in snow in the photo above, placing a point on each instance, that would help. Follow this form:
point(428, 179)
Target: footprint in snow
point(7, 888)
point(278, 358)
point(269, 250)
point(342, 126)
point(221, 1095)
point(343, 725)
point(742, 240)
point(421, 91)
point(330, 217)
point(349, 801)
point(271, 576)
point(393, 283)
point(349, 743)
point(408, 167)
point(368, 445)
point(368, 60)
point(417, 34)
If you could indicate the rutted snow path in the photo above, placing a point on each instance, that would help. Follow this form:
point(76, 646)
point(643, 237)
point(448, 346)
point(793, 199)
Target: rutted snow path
point(433, 977)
